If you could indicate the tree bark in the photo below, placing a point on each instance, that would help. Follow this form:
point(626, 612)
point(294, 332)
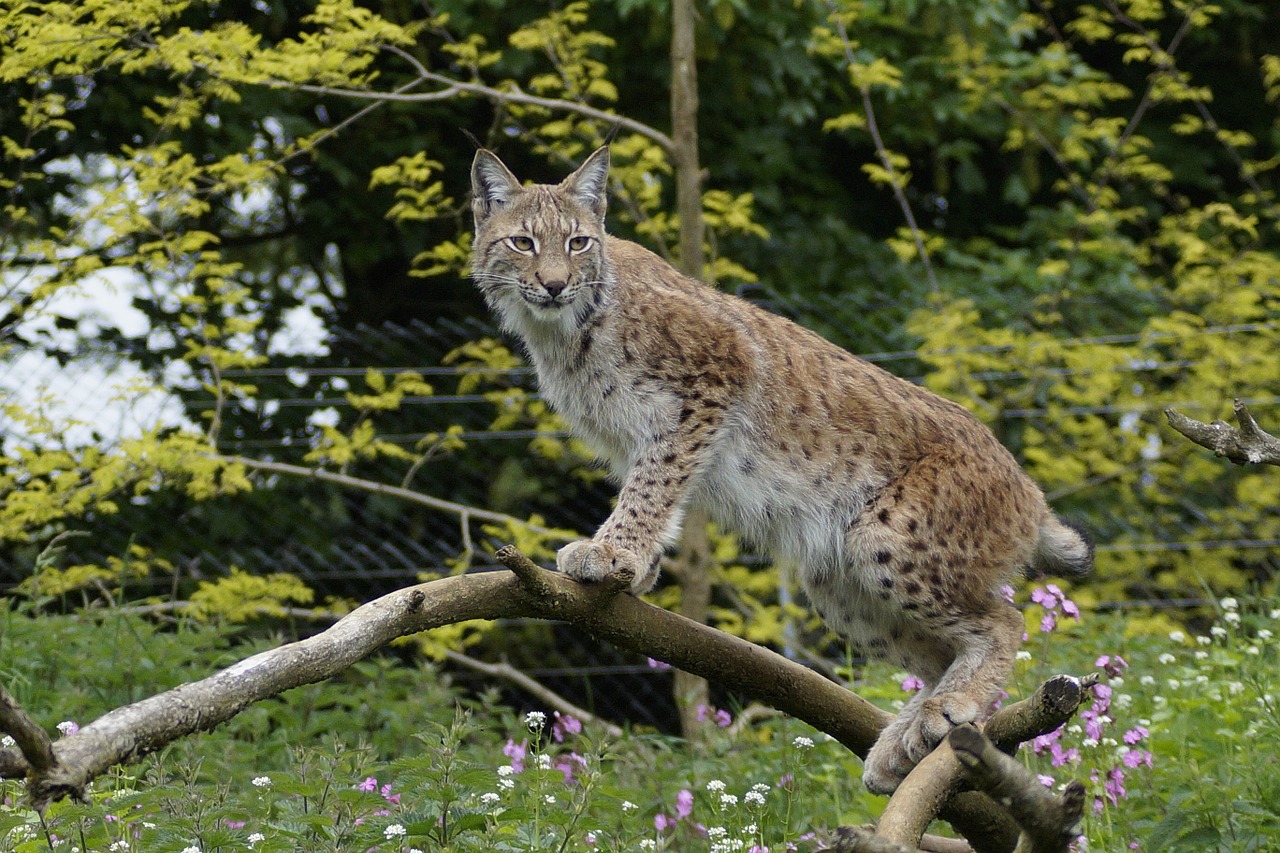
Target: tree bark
point(1247, 445)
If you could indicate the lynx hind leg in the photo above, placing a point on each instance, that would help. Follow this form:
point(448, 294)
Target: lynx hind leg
point(987, 644)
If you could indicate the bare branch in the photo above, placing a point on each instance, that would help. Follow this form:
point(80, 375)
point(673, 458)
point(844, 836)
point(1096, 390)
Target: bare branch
point(32, 740)
point(531, 686)
point(1050, 823)
point(457, 509)
point(451, 88)
point(1247, 445)
point(128, 733)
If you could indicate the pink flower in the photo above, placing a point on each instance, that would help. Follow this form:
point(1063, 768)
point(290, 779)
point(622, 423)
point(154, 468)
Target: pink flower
point(720, 717)
point(1136, 735)
point(661, 822)
point(684, 803)
point(516, 752)
point(1047, 781)
point(394, 799)
point(569, 763)
point(1138, 758)
point(565, 725)
point(1048, 622)
point(912, 683)
point(1113, 666)
point(369, 784)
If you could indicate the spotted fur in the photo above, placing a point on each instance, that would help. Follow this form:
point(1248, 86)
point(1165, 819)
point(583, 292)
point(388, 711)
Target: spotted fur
point(902, 513)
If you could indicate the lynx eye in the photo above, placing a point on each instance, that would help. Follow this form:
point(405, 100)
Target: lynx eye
point(579, 244)
point(521, 243)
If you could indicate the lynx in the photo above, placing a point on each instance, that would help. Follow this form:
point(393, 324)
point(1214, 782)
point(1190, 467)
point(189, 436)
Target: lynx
point(901, 512)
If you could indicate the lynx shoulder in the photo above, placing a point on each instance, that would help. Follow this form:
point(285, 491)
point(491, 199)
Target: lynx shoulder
point(902, 513)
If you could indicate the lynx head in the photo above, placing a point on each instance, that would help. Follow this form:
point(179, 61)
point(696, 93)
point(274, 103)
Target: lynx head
point(539, 250)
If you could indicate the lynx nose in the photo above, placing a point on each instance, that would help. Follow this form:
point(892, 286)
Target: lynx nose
point(554, 287)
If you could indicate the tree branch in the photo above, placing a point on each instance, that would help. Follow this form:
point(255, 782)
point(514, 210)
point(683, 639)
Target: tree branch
point(1050, 823)
point(32, 740)
point(1248, 444)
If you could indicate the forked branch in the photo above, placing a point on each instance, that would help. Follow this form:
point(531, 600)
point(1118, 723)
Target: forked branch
point(1247, 445)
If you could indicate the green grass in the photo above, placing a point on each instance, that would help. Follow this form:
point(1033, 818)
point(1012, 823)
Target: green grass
point(1180, 750)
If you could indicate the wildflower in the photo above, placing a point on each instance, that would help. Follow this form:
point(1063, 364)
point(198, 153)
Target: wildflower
point(628, 806)
point(535, 720)
point(490, 799)
point(662, 822)
point(261, 782)
point(684, 803)
point(394, 799)
point(648, 844)
point(119, 845)
point(1112, 666)
point(729, 800)
point(369, 784)
point(256, 838)
point(589, 839)
point(1006, 592)
point(1167, 658)
point(507, 771)
point(1218, 631)
point(1231, 618)
point(516, 752)
point(67, 727)
point(1265, 634)
point(1023, 654)
point(1177, 636)
point(803, 743)
point(720, 717)
point(715, 786)
point(715, 832)
point(232, 824)
point(1047, 781)
point(549, 799)
point(543, 760)
point(1137, 758)
point(7, 742)
point(1229, 604)
point(565, 725)
point(395, 830)
point(910, 684)
point(570, 763)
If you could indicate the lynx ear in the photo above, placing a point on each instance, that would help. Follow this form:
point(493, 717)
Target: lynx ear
point(492, 185)
point(590, 183)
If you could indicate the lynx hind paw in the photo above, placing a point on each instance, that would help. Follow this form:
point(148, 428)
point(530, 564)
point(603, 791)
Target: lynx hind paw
point(938, 716)
point(887, 764)
point(590, 561)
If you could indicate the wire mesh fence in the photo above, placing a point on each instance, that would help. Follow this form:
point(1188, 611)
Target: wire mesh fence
point(357, 545)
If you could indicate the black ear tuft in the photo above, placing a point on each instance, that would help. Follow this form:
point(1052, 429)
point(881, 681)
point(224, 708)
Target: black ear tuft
point(590, 183)
point(492, 185)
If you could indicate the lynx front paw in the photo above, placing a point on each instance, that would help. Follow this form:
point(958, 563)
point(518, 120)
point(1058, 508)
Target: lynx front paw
point(590, 561)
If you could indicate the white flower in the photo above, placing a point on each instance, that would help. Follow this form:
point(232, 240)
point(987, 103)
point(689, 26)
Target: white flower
point(544, 761)
point(490, 799)
point(750, 829)
point(535, 720)
point(1147, 680)
point(261, 781)
point(1265, 634)
point(1235, 688)
point(728, 800)
point(803, 743)
point(1231, 618)
point(506, 770)
point(753, 798)
point(1252, 650)
point(119, 845)
point(1218, 631)
point(67, 727)
point(1023, 654)
point(1205, 641)
point(1167, 658)
point(760, 788)
point(191, 849)
point(549, 799)
point(1177, 636)
point(256, 838)
point(715, 786)
point(1174, 684)
point(628, 806)
point(1201, 654)
point(1275, 614)
point(716, 832)
point(7, 742)
point(1088, 743)
point(648, 844)
point(394, 831)
point(1229, 604)
point(506, 784)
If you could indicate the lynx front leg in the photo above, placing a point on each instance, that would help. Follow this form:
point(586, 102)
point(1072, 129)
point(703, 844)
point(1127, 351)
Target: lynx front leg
point(650, 508)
